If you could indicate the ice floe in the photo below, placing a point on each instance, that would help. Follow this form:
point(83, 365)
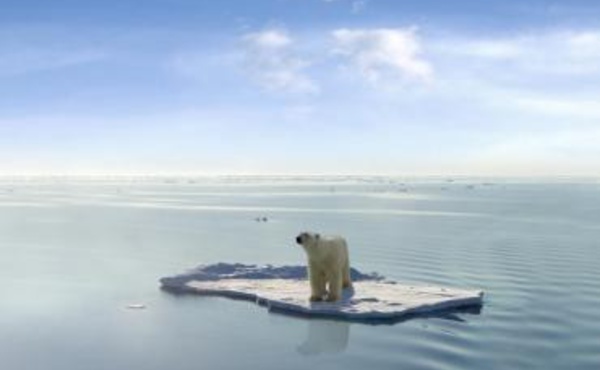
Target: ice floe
point(285, 289)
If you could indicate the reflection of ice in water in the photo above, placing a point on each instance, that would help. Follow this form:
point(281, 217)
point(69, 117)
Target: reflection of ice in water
point(325, 337)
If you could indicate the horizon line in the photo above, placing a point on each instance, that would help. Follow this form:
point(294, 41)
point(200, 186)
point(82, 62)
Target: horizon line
point(288, 175)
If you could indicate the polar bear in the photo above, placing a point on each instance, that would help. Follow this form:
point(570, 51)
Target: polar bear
point(328, 264)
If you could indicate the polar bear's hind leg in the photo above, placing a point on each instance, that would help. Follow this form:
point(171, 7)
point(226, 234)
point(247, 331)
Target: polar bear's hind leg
point(347, 281)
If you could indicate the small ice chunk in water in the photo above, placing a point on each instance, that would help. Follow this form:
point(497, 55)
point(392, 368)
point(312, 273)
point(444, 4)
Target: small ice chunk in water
point(136, 306)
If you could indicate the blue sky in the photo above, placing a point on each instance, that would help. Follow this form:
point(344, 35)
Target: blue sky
point(300, 87)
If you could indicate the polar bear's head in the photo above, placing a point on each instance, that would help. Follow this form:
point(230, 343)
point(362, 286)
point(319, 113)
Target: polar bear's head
point(308, 240)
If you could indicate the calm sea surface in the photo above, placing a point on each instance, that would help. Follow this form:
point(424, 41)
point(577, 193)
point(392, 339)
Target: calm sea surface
point(74, 254)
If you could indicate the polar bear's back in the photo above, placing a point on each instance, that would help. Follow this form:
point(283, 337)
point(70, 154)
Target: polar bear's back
point(332, 247)
point(334, 240)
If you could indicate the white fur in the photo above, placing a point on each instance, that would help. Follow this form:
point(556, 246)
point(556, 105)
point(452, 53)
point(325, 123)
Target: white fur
point(328, 265)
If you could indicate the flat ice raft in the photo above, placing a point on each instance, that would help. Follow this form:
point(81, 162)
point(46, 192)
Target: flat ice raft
point(285, 289)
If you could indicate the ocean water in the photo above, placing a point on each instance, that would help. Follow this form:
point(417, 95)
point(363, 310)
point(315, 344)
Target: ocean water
point(74, 253)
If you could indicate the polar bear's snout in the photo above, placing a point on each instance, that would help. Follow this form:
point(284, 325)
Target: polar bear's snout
point(304, 238)
point(307, 239)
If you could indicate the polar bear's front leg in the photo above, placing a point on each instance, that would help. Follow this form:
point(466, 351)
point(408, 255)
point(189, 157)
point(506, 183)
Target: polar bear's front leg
point(335, 286)
point(317, 285)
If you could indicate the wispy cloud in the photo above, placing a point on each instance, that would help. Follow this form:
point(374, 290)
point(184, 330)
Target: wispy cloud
point(544, 76)
point(271, 61)
point(34, 59)
point(31, 49)
point(560, 107)
point(557, 52)
point(358, 6)
point(378, 54)
point(571, 151)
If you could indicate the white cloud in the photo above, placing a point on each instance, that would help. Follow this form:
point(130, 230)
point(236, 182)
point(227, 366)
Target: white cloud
point(494, 49)
point(380, 53)
point(270, 59)
point(269, 39)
